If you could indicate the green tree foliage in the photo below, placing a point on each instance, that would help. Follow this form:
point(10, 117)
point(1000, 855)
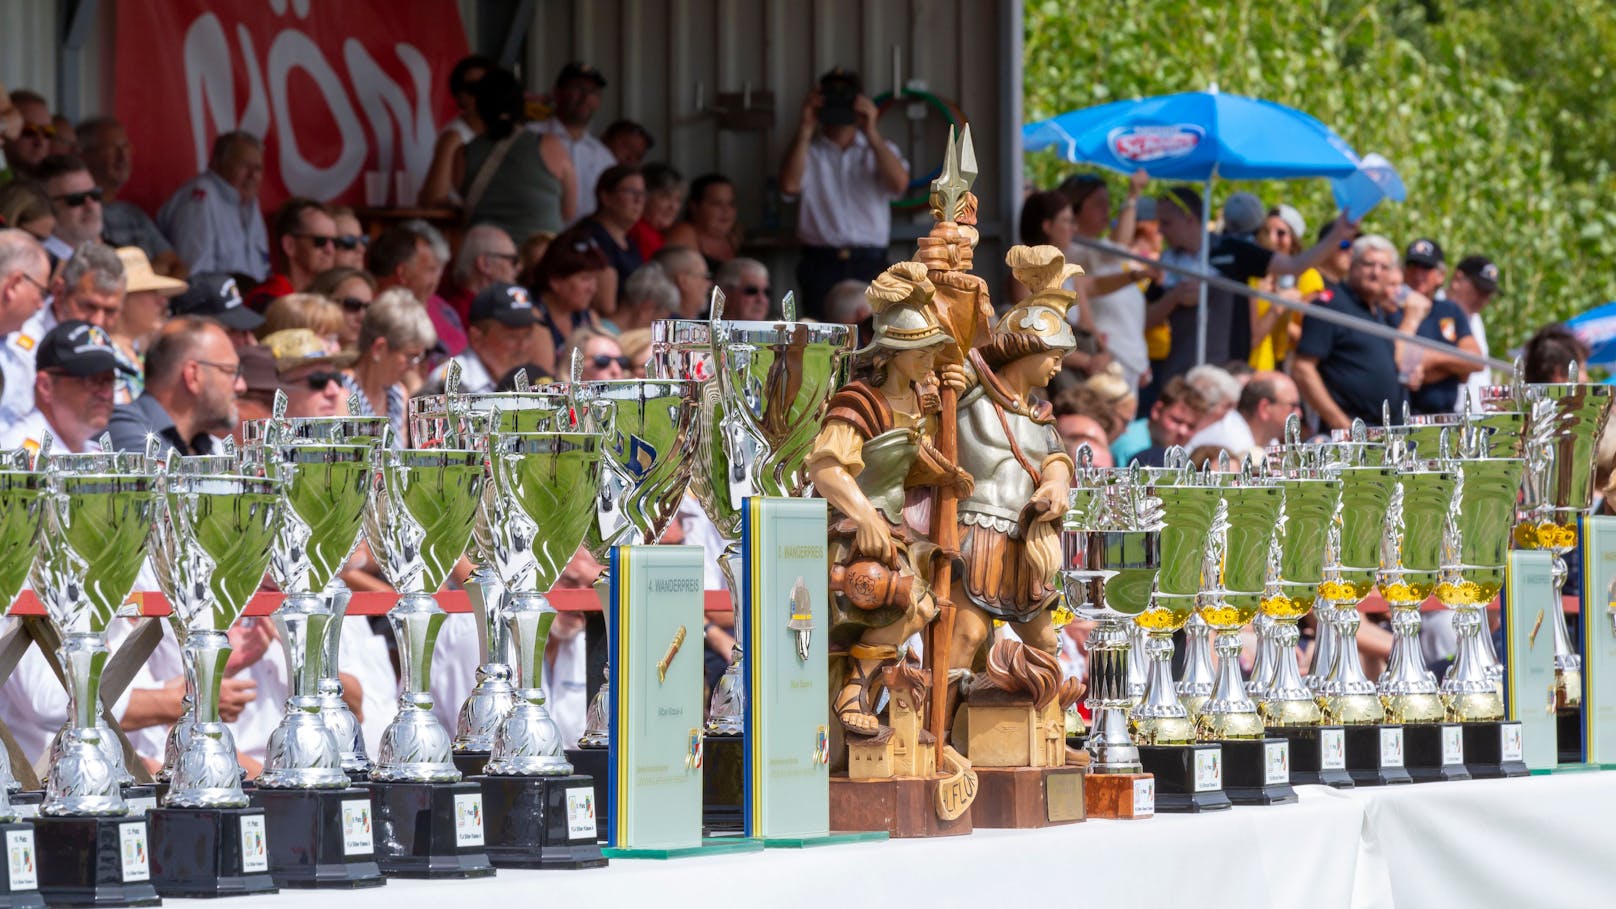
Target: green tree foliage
point(1494, 113)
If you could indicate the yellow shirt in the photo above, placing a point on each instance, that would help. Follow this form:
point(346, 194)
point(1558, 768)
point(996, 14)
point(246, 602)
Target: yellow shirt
point(1272, 350)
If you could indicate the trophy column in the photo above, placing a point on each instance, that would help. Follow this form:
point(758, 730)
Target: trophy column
point(20, 515)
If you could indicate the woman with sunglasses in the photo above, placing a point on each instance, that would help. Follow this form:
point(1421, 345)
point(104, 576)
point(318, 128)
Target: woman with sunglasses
point(1274, 329)
point(564, 288)
point(602, 357)
point(351, 288)
point(393, 337)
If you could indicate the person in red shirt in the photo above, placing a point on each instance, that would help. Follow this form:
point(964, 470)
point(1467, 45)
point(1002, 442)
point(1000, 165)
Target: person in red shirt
point(303, 240)
point(664, 197)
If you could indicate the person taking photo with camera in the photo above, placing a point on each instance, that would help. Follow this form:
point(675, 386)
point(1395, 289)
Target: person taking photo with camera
point(845, 174)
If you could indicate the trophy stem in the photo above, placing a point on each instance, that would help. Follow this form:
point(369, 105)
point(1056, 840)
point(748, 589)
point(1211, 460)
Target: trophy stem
point(1265, 663)
point(1567, 662)
point(528, 743)
point(206, 774)
point(494, 695)
point(302, 621)
point(1346, 695)
point(1288, 701)
point(1229, 713)
point(1109, 744)
point(1408, 689)
point(415, 747)
point(1137, 678)
point(334, 712)
point(1198, 681)
point(1467, 688)
point(1325, 642)
point(83, 779)
point(206, 653)
point(1159, 719)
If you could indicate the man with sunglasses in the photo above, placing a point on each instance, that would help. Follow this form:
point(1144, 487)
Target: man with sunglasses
point(193, 376)
point(77, 368)
point(745, 283)
point(32, 143)
point(303, 244)
point(213, 220)
point(309, 374)
point(76, 202)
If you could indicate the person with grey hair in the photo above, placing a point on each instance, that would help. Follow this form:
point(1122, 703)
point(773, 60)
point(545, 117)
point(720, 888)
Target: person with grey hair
point(89, 289)
point(687, 270)
point(393, 339)
point(487, 254)
point(24, 278)
point(105, 147)
point(1218, 389)
point(1343, 372)
point(846, 304)
point(214, 220)
point(648, 295)
point(745, 283)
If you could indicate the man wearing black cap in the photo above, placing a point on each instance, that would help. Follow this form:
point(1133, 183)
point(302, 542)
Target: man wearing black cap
point(214, 296)
point(1475, 280)
point(1443, 376)
point(847, 177)
point(1424, 267)
point(76, 369)
point(577, 97)
point(502, 321)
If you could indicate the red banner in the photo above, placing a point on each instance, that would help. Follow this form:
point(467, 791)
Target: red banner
point(335, 89)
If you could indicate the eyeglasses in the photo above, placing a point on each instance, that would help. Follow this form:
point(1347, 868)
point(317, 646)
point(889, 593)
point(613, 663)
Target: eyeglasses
point(319, 241)
point(751, 290)
point(321, 379)
point(414, 359)
point(39, 132)
point(354, 304)
point(351, 242)
point(234, 370)
point(602, 361)
point(43, 290)
point(512, 258)
point(74, 200)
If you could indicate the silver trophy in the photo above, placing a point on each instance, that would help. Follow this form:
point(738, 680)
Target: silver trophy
point(98, 515)
point(423, 506)
point(326, 488)
point(1111, 542)
point(540, 476)
point(214, 542)
point(21, 500)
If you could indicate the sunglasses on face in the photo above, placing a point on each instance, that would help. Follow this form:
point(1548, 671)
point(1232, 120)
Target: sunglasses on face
point(354, 304)
point(74, 200)
point(321, 379)
point(752, 290)
point(319, 241)
point(350, 242)
point(602, 361)
point(38, 132)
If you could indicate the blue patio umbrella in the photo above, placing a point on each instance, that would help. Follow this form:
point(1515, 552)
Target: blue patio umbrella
point(1597, 329)
point(1197, 136)
point(1360, 191)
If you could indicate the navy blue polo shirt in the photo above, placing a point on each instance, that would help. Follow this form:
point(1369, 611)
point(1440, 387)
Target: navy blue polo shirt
point(1359, 370)
point(1446, 322)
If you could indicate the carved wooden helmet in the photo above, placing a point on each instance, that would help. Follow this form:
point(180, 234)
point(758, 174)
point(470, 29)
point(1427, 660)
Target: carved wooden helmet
point(1043, 269)
point(905, 316)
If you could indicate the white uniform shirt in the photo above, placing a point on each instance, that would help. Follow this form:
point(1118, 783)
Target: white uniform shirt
point(1482, 377)
point(261, 715)
point(474, 377)
point(1231, 432)
point(212, 231)
point(454, 667)
point(17, 363)
point(364, 656)
point(590, 159)
point(30, 432)
point(33, 702)
point(843, 202)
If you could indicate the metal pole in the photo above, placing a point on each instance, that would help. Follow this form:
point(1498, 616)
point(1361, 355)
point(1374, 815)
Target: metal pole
point(1200, 306)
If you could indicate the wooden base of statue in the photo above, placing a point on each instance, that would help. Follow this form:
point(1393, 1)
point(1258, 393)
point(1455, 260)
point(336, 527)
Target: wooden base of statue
point(904, 808)
point(1120, 796)
point(1028, 797)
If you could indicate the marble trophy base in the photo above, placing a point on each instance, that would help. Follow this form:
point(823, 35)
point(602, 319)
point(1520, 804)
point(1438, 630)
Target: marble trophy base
point(541, 821)
point(320, 838)
point(1189, 778)
point(1119, 796)
point(904, 808)
point(19, 867)
point(210, 852)
point(1492, 750)
point(1375, 755)
point(430, 830)
point(596, 763)
point(95, 861)
point(471, 763)
point(1318, 755)
point(1258, 771)
point(723, 784)
point(1028, 797)
point(1434, 752)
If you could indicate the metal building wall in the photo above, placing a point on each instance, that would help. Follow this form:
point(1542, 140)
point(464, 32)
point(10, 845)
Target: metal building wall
point(28, 46)
point(655, 54)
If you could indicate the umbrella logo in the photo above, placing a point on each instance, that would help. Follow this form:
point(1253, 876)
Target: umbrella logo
point(1143, 144)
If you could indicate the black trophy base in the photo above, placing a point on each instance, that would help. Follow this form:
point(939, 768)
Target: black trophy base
point(595, 763)
point(471, 763)
point(141, 798)
point(1435, 752)
point(1568, 735)
point(1189, 778)
point(26, 803)
point(541, 821)
point(19, 867)
point(95, 861)
point(723, 784)
point(430, 830)
point(320, 838)
point(1493, 750)
point(1375, 755)
point(210, 852)
point(1257, 771)
point(1318, 755)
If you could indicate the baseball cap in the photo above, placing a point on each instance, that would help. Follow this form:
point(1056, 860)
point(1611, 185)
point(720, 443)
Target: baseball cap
point(296, 348)
point(1481, 271)
point(216, 296)
point(1424, 252)
point(1243, 213)
point(139, 275)
point(507, 303)
point(79, 349)
point(579, 70)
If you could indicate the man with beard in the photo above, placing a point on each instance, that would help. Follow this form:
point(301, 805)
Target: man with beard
point(193, 376)
point(577, 98)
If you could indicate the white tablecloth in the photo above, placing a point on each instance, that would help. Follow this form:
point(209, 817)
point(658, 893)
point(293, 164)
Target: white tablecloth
point(1527, 842)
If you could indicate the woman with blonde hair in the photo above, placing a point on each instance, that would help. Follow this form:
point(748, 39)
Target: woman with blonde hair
point(310, 311)
point(395, 335)
point(351, 288)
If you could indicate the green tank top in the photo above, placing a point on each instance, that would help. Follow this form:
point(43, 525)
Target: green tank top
point(523, 197)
